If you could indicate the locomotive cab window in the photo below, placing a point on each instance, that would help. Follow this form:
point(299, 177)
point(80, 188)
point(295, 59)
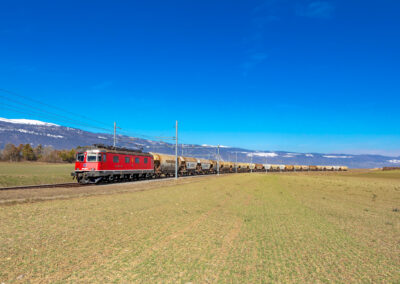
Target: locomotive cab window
point(145, 160)
point(80, 157)
point(91, 158)
point(104, 157)
point(127, 159)
point(99, 157)
point(116, 159)
point(137, 160)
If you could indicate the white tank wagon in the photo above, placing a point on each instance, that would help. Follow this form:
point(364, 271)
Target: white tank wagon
point(188, 165)
point(336, 168)
point(267, 167)
point(204, 166)
point(252, 166)
point(328, 168)
point(281, 168)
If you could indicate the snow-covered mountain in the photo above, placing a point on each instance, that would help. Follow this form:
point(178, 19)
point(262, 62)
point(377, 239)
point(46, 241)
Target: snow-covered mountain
point(23, 131)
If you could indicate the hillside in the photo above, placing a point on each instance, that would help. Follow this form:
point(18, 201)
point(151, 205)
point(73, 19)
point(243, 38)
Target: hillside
point(23, 131)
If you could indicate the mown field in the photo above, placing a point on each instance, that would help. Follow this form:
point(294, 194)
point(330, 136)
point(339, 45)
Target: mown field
point(32, 173)
point(245, 228)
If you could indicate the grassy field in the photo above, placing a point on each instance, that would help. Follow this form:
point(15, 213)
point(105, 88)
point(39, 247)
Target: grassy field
point(246, 228)
point(31, 173)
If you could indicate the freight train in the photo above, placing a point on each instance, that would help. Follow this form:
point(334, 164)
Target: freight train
point(101, 163)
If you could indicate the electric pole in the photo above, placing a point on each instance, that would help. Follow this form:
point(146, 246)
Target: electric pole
point(251, 162)
point(176, 149)
point(266, 166)
point(236, 162)
point(218, 160)
point(115, 130)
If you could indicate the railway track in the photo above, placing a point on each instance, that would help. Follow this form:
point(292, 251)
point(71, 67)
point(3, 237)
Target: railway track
point(69, 184)
point(75, 184)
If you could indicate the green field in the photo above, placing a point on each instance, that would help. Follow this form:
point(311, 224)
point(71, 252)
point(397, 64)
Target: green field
point(245, 228)
point(31, 173)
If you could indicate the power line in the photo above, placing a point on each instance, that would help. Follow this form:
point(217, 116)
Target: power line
point(50, 116)
point(51, 106)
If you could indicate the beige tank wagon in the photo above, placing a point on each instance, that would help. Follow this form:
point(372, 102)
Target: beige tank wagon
point(259, 167)
point(343, 168)
point(164, 164)
point(305, 168)
point(297, 168)
point(225, 167)
point(313, 168)
point(289, 168)
point(243, 168)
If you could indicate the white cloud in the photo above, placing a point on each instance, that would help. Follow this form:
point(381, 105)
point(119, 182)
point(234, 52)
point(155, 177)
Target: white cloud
point(309, 155)
point(394, 161)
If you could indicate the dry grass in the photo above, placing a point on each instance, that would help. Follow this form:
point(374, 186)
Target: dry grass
point(32, 173)
point(246, 228)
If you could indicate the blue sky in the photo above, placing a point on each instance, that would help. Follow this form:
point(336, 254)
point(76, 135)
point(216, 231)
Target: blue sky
point(307, 76)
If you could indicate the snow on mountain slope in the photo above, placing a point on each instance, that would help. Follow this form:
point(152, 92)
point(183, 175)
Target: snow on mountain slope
point(34, 132)
point(27, 121)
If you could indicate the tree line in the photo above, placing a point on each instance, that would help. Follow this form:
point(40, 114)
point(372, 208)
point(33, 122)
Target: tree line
point(25, 152)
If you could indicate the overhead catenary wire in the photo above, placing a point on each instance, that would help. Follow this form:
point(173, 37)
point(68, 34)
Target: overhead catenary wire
point(63, 116)
point(51, 106)
point(58, 117)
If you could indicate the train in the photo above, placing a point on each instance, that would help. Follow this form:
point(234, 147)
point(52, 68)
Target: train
point(99, 163)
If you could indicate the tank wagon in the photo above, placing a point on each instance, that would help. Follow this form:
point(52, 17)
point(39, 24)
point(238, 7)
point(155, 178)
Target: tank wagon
point(101, 163)
point(297, 168)
point(267, 167)
point(259, 168)
point(313, 168)
point(204, 166)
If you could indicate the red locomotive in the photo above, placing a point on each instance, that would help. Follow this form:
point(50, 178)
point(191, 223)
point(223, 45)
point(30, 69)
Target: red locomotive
point(101, 163)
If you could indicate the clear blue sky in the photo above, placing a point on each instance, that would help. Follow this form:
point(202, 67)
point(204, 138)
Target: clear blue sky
point(307, 76)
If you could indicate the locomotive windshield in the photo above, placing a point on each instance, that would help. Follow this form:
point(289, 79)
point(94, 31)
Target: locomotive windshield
point(80, 157)
point(91, 158)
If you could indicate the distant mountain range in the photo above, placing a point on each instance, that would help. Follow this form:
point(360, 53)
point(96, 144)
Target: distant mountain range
point(23, 131)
